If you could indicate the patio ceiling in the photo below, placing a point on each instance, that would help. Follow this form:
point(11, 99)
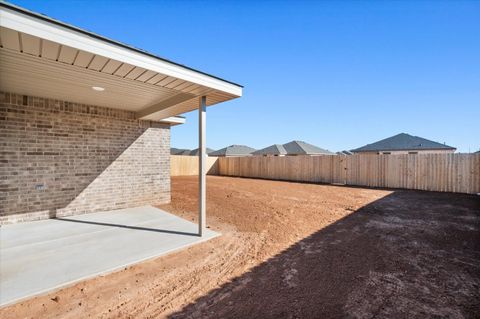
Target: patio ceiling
point(40, 56)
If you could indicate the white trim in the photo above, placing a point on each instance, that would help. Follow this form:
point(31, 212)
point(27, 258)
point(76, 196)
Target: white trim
point(173, 120)
point(49, 31)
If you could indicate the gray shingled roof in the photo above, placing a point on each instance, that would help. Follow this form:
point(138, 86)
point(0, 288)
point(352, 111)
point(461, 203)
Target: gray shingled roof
point(302, 148)
point(234, 150)
point(403, 142)
point(179, 151)
point(195, 151)
point(275, 149)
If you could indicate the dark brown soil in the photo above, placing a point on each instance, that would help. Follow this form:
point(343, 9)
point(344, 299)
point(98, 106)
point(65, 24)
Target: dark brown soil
point(291, 250)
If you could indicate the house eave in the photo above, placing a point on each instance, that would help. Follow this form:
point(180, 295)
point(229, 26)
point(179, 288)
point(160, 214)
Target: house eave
point(159, 90)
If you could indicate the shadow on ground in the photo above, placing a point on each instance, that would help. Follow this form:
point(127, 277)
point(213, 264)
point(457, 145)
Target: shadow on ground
point(156, 230)
point(409, 254)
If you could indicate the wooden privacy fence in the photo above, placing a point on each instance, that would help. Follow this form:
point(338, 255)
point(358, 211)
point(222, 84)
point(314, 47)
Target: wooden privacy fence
point(433, 172)
point(182, 165)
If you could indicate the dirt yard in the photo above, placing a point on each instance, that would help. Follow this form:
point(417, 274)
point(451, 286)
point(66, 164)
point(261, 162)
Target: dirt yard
point(292, 250)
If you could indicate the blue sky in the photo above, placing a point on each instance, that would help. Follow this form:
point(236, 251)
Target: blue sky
point(337, 74)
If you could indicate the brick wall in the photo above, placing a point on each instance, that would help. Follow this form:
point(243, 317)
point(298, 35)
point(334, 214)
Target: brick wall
point(59, 158)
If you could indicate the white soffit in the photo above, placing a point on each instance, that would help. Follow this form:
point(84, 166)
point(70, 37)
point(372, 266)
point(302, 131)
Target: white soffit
point(174, 120)
point(42, 57)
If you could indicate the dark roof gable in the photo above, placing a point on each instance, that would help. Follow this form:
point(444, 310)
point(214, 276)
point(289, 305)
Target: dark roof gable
point(233, 150)
point(302, 148)
point(196, 151)
point(179, 151)
point(275, 149)
point(401, 142)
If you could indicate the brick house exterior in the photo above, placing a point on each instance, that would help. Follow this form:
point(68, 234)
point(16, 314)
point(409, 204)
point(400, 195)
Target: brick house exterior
point(85, 120)
point(60, 158)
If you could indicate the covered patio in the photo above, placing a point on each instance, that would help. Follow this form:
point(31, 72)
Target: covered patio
point(37, 257)
point(87, 151)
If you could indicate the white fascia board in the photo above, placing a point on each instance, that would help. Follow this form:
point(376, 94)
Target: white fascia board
point(173, 120)
point(59, 34)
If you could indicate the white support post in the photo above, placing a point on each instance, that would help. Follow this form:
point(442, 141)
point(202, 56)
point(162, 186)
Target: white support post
point(202, 160)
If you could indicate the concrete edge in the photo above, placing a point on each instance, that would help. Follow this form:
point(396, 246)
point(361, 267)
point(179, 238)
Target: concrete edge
point(77, 217)
point(106, 272)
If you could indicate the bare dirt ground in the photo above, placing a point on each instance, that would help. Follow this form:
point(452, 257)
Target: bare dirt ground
point(291, 250)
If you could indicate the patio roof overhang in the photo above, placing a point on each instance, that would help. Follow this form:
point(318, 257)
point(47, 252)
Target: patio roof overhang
point(40, 56)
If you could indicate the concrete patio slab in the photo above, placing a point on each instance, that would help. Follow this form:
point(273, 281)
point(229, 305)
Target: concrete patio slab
point(37, 257)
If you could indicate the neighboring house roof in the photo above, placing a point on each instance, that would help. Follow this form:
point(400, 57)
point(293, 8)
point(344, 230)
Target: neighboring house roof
point(401, 142)
point(275, 149)
point(302, 148)
point(233, 150)
point(344, 153)
point(179, 151)
point(195, 151)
